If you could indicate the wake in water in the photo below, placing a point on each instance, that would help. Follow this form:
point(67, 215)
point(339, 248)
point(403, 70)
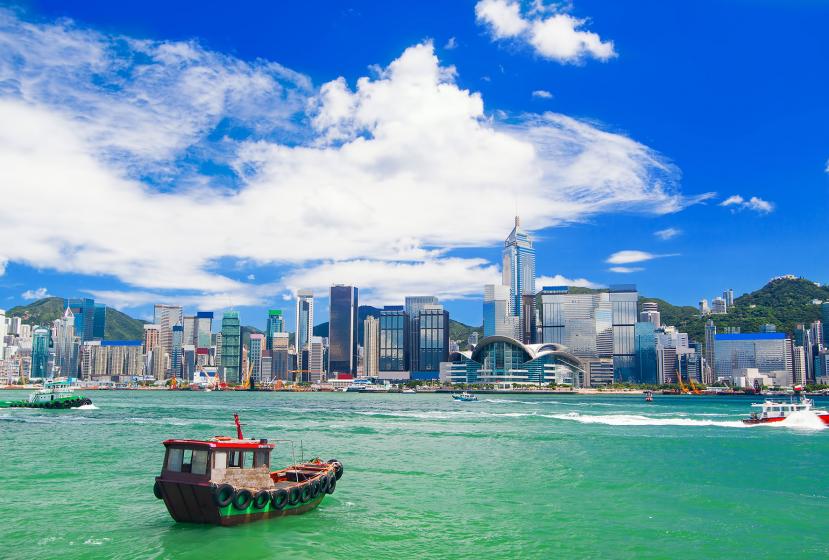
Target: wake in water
point(86, 407)
point(800, 420)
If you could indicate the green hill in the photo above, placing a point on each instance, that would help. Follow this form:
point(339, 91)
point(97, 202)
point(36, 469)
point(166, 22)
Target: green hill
point(119, 326)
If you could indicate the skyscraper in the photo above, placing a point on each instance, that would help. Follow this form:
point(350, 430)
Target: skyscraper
point(518, 268)
point(276, 324)
point(203, 337)
point(165, 316)
point(710, 335)
point(40, 353)
point(432, 341)
point(280, 358)
point(99, 321)
point(394, 345)
point(646, 365)
point(736, 352)
point(371, 345)
point(650, 313)
point(304, 324)
point(83, 310)
point(231, 357)
point(413, 306)
point(623, 301)
point(498, 320)
point(65, 356)
point(824, 318)
point(153, 351)
point(257, 347)
point(581, 322)
point(719, 306)
point(176, 349)
point(342, 330)
point(316, 359)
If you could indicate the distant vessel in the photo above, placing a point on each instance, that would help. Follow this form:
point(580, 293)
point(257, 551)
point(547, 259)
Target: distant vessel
point(464, 397)
point(227, 481)
point(54, 395)
point(408, 391)
point(777, 411)
point(648, 396)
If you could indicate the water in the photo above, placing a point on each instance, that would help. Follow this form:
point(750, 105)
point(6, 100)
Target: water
point(426, 477)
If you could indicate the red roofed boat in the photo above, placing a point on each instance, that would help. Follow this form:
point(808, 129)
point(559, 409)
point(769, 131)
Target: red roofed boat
point(777, 411)
point(227, 481)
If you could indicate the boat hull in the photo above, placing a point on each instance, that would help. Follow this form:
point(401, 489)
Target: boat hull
point(57, 404)
point(823, 417)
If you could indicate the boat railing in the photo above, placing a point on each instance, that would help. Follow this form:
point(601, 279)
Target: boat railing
point(293, 450)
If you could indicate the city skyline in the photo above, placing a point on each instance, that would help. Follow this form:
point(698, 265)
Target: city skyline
point(646, 215)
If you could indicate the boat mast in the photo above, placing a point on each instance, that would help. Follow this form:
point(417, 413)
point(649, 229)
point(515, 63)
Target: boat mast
point(238, 426)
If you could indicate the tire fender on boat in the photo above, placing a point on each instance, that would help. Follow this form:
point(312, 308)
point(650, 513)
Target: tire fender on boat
point(332, 484)
point(306, 492)
point(294, 495)
point(223, 495)
point(338, 467)
point(279, 499)
point(157, 490)
point(242, 499)
point(261, 499)
point(315, 489)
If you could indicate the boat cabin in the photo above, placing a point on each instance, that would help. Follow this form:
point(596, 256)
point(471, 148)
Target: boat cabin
point(241, 462)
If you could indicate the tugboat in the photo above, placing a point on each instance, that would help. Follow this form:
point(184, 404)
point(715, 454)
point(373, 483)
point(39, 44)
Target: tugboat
point(464, 397)
point(228, 481)
point(777, 411)
point(54, 395)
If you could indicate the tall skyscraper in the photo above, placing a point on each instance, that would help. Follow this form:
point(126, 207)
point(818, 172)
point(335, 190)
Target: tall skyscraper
point(824, 318)
point(394, 342)
point(432, 341)
point(623, 301)
point(518, 268)
point(40, 353)
point(83, 310)
point(316, 359)
point(709, 367)
point(189, 324)
point(304, 324)
point(203, 337)
point(176, 349)
point(735, 353)
point(257, 347)
point(413, 306)
point(166, 316)
point(153, 351)
point(498, 320)
point(646, 364)
point(371, 345)
point(65, 356)
point(231, 358)
point(99, 321)
point(276, 324)
point(342, 330)
point(280, 358)
point(581, 322)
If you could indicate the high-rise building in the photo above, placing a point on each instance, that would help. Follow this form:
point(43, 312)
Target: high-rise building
point(276, 324)
point(719, 306)
point(728, 296)
point(394, 347)
point(280, 359)
point(342, 330)
point(99, 321)
point(647, 370)
point(581, 322)
point(40, 353)
point(671, 346)
point(64, 337)
point(203, 337)
point(709, 366)
point(623, 301)
point(472, 340)
point(316, 359)
point(498, 320)
point(798, 364)
point(736, 352)
point(83, 310)
point(432, 341)
point(231, 357)
point(518, 269)
point(703, 307)
point(176, 349)
point(824, 319)
point(304, 324)
point(166, 316)
point(189, 324)
point(413, 306)
point(650, 313)
point(371, 343)
point(153, 352)
point(257, 347)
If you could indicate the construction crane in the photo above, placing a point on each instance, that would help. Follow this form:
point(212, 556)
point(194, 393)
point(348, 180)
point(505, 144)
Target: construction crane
point(247, 381)
point(682, 388)
point(694, 387)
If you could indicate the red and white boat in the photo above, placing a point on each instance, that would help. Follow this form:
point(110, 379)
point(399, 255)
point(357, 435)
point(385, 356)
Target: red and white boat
point(777, 411)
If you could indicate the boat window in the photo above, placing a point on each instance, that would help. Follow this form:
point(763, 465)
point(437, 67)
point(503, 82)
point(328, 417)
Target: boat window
point(238, 459)
point(260, 458)
point(174, 456)
point(199, 462)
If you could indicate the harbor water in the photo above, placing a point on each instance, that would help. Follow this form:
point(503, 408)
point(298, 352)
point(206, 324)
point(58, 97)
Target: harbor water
point(510, 476)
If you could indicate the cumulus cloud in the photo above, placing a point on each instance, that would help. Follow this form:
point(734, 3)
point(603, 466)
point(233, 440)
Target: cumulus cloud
point(39, 293)
point(625, 269)
point(364, 180)
point(452, 43)
point(559, 36)
point(756, 204)
point(667, 233)
point(632, 256)
point(559, 280)
point(542, 94)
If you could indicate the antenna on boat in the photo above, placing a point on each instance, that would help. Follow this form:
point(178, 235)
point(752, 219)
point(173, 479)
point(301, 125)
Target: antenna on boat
point(238, 426)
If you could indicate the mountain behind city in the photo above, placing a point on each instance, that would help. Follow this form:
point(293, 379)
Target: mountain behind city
point(783, 302)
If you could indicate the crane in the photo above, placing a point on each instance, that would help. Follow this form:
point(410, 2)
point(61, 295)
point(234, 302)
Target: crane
point(682, 388)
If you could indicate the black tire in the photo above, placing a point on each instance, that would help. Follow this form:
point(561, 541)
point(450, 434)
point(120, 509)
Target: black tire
point(223, 495)
point(294, 495)
point(157, 490)
point(87, 401)
point(242, 499)
point(332, 484)
point(261, 499)
point(323, 484)
point(338, 467)
point(306, 493)
point(315, 489)
point(279, 499)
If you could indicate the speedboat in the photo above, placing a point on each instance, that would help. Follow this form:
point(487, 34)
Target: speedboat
point(464, 397)
point(777, 411)
point(227, 481)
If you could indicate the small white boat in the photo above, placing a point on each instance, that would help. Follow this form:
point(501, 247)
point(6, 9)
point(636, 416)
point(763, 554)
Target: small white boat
point(408, 391)
point(464, 397)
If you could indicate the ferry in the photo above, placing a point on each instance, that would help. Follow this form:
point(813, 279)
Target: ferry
point(464, 397)
point(53, 395)
point(227, 481)
point(777, 411)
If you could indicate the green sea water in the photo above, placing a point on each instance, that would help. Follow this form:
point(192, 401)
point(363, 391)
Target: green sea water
point(425, 477)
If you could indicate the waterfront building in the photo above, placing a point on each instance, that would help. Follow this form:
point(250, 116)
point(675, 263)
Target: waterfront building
point(432, 341)
point(394, 347)
point(304, 324)
point(257, 348)
point(580, 322)
point(764, 351)
point(65, 347)
point(88, 358)
point(281, 364)
point(498, 318)
point(342, 330)
point(231, 356)
point(671, 346)
point(112, 360)
point(167, 316)
point(719, 306)
point(176, 349)
point(518, 269)
point(99, 321)
point(506, 362)
point(316, 359)
point(623, 301)
point(414, 305)
point(189, 324)
point(650, 313)
point(599, 372)
point(647, 370)
point(153, 352)
point(276, 324)
point(817, 335)
point(83, 310)
point(798, 365)
point(371, 347)
point(40, 353)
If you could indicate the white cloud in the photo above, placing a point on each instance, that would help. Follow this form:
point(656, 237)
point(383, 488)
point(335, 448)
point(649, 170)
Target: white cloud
point(39, 293)
point(667, 233)
point(542, 94)
point(632, 256)
point(452, 43)
point(557, 37)
point(559, 280)
point(625, 269)
point(251, 277)
point(754, 203)
point(84, 125)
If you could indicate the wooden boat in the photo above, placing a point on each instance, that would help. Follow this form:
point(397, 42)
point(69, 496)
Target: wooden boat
point(227, 481)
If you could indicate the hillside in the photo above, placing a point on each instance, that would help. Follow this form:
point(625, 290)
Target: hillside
point(119, 326)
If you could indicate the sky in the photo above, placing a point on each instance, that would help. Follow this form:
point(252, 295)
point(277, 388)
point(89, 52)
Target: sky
point(219, 155)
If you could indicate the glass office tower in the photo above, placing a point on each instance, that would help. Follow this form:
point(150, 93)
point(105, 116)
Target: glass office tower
point(433, 341)
point(624, 304)
point(518, 269)
point(304, 325)
point(231, 357)
point(276, 324)
point(342, 330)
point(394, 334)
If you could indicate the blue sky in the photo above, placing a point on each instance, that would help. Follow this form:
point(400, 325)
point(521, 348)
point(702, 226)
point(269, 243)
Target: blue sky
point(211, 155)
